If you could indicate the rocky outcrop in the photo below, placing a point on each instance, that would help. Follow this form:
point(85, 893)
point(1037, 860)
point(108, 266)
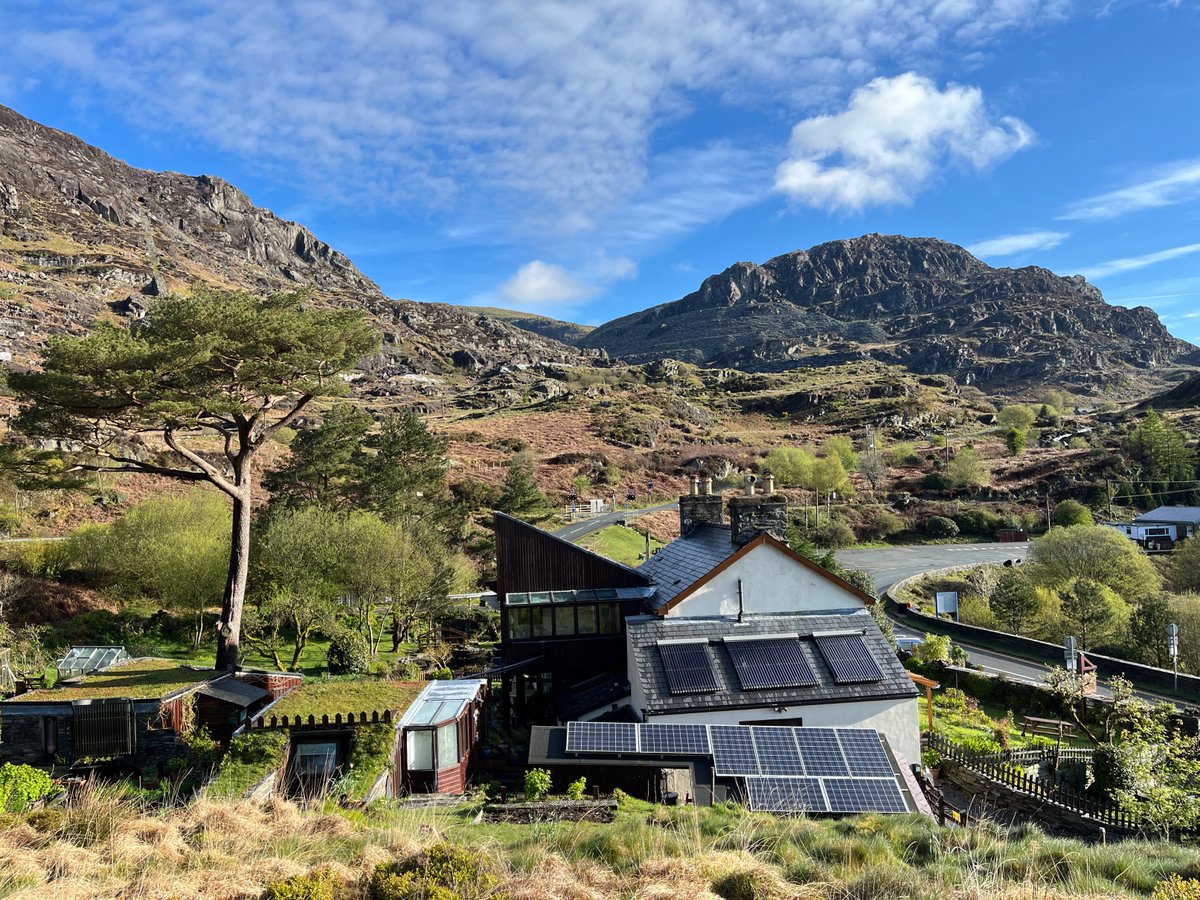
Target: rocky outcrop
point(923, 303)
point(81, 233)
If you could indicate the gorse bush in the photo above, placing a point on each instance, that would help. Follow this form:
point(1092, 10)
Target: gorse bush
point(319, 884)
point(441, 872)
point(22, 785)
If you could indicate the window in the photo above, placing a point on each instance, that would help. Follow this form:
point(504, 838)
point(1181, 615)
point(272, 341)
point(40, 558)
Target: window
point(587, 619)
point(447, 745)
point(420, 750)
point(610, 619)
point(540, 622)
point(316, 760)
point(564, 621)
point(518, 624)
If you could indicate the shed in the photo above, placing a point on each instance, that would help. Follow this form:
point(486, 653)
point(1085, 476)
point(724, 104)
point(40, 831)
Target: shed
point(440, 733)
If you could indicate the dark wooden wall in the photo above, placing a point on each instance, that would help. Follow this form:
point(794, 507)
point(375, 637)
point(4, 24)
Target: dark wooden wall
point(529, 559)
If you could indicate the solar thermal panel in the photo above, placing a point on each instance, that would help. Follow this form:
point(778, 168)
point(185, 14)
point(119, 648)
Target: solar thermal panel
point(864, 753)
point(688, 667)
point(777, 752)
point(686, 739)
point(601, 737)
point(848, 658)
point(820, 751)
point(854, 795)
point(770, 663)
point(733, 750)
point(785, 795)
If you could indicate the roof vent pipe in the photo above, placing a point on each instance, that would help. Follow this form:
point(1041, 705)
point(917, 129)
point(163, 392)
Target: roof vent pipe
point(751, 480)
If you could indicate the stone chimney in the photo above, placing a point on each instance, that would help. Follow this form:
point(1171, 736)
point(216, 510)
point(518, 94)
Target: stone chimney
point(700, 507)
point(754, 512)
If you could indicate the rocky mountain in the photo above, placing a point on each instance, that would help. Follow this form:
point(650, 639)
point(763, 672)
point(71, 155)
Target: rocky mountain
point(923, 303)
point(555, 329)
point(84, 236)
point(1185, 395)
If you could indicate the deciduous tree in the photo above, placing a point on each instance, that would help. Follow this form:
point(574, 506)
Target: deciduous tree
point(1014, 602)
point(213, 377)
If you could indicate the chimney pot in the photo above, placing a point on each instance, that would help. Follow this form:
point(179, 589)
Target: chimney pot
point(695, 485)
point(770, 487)
point(707, 486)
point(750, 482)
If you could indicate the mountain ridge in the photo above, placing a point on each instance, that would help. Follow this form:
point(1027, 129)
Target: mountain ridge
point(920, 302)
point(85, 236)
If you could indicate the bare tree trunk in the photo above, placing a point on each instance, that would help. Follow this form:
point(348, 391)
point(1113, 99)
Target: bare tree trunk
point(229, 629)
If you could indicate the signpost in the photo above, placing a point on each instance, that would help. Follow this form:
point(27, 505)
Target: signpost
point(1173, 649)
point(946, 602)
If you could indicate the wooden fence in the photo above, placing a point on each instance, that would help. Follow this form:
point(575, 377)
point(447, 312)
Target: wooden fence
point(294, 722)
point(1006, 768)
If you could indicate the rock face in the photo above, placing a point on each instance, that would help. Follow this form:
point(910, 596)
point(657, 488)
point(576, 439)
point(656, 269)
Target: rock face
point(1182, 396)
point(920, 302)
point(84, 235)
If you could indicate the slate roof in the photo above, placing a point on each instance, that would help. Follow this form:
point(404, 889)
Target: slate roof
point(1171, 514)
point(686, 560)
point(233, 691)
point(646, 631)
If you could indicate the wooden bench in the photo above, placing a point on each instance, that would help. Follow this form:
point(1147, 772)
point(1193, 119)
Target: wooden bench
point(1055, 728)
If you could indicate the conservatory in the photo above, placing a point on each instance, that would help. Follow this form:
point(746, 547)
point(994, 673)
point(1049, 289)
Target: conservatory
point(440, 733)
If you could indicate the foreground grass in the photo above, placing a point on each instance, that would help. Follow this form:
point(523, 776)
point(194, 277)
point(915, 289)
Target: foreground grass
point(103, 845)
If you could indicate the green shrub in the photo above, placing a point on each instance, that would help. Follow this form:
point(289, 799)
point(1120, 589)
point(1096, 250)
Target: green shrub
point(406, 670)
point(441, 872)
point(537, 784)
point(1177, 888)
point(934, 648)
point(940, 527)
point(47, 821)
point(577, 788)
point(348, 653)
point(1072, 512)
point(319, 884)
point(441, 674)
point(22, 785)
point(880, 523)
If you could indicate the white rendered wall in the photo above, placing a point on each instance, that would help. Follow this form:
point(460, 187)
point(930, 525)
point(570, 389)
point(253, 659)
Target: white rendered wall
point(772, 582)
point(894, 719)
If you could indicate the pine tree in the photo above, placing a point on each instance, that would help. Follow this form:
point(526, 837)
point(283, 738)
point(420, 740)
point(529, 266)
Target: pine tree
point(1014, 602)
point(326, 463)
point(226, 366)
point(520, 497)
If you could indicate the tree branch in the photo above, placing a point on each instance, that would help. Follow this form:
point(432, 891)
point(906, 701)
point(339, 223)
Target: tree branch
point(266, 433)
point(200, 463)
point(142, 468)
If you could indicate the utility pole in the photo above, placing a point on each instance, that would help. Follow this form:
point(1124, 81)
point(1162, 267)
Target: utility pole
point(1048, 526)
point(1173, 649)
point(1109, 493)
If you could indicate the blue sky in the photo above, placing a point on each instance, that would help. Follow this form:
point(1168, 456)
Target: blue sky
point(585, 160)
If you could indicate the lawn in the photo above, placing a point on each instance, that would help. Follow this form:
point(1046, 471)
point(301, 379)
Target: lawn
point(620, 544)
point(347, 695)
point(977, 721)
point(139, 679)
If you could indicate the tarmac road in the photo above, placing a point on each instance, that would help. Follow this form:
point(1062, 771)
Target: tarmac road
point(577, 530)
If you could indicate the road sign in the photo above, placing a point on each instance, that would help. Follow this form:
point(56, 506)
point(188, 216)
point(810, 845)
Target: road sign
point(946, 602)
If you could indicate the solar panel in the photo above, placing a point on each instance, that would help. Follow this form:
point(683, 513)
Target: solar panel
point(770, 663)
point(601, 737)
point(733, 750)
point(820, 751)
point(691, 740)
point(852, 795)
point(688, 666)
point(864, 753)
point(848, 658)
point(777, 753)
point(786, 795)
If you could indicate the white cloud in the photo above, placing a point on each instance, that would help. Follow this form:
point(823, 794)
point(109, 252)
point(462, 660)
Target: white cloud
point(1166, 186)
point(539, 285)
point(614, 268)
point(522, 111)
point(1130, 263)
point(1012, 244)
point(889, 141)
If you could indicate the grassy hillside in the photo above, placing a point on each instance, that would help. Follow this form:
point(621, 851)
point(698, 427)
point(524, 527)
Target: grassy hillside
point(567, 332)
point(102, 846)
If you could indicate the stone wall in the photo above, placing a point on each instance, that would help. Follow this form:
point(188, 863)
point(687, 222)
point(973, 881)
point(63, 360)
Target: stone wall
point(700, 509)
point(21, 735)
point(994, 795)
